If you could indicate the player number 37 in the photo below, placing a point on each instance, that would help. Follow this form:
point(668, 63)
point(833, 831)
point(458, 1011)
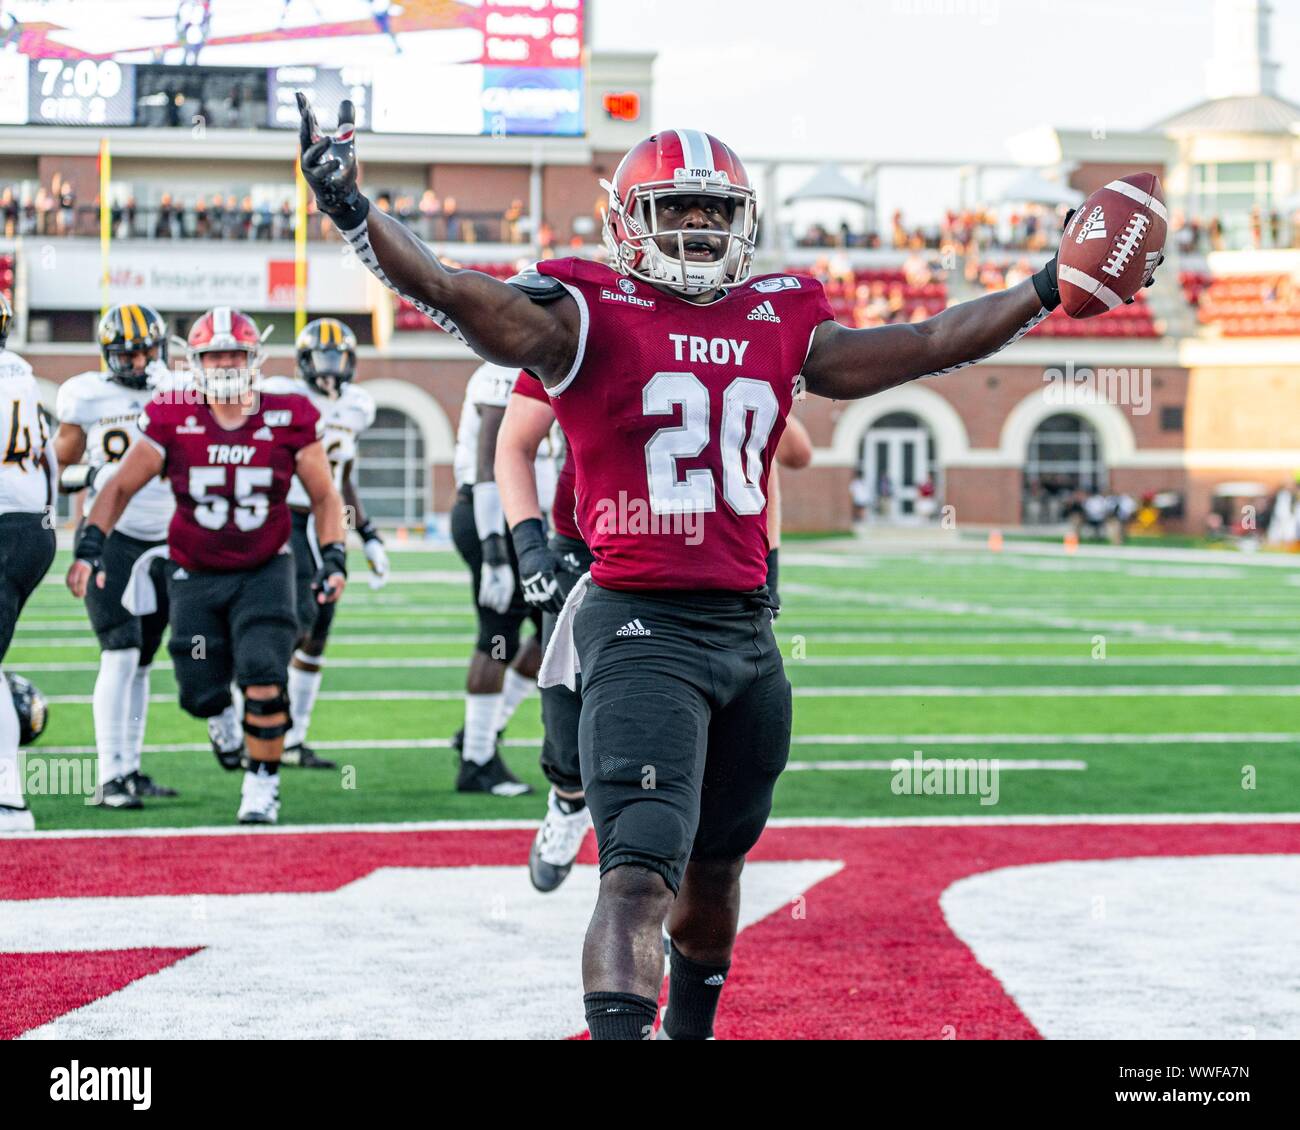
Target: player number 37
point(213, 510)
point(745, 399)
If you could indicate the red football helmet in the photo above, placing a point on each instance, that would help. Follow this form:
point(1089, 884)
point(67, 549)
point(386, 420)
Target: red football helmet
point(224, 329)
point(684, 162)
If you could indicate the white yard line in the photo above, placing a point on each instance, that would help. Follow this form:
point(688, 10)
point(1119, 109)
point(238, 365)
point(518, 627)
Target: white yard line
point(911, 741)
point(1002, 763)
point(784, 822)
point(1121, 690)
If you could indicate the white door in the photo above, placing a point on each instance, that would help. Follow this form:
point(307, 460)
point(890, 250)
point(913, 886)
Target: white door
point(897, 463)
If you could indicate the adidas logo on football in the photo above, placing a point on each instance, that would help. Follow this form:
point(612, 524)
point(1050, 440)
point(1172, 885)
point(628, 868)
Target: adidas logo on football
point(633, 628)
point(763, 312)
point(1094, 227)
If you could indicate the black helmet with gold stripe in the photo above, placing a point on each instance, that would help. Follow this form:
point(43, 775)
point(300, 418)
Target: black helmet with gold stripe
point(327, 355)
point(6, 318)
point(127, 331)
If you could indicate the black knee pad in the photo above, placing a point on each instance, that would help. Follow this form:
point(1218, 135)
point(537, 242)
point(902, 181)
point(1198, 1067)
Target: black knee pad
point(501, 643)
point(122, 635)
point(204, 701)
point(262, 707)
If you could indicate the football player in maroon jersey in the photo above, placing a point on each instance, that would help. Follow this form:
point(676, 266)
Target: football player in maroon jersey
point(230, 454)
point(671, 371)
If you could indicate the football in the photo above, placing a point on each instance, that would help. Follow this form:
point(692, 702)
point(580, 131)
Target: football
point(1111, 245)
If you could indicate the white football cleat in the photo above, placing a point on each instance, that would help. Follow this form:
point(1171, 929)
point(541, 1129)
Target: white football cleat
point(16, 820)
point(259, 799)
point(556, 844)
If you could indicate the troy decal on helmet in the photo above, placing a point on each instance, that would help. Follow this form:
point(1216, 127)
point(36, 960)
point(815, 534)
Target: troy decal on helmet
point(126, 330)
point(679, 162)
point(224, 329)
point(327, 355)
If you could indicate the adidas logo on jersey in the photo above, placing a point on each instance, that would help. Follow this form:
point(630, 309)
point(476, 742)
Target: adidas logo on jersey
point(180, 575)
point(763, 312)
point(263, 433)
point(633, 628)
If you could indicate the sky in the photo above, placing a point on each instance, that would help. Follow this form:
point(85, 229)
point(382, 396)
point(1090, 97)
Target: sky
point(859, 79)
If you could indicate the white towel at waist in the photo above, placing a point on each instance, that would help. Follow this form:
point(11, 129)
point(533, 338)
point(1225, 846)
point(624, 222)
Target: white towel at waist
point(140, 597)
point(560, 663)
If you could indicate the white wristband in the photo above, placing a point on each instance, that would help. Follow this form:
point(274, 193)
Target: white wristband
point(489, 518)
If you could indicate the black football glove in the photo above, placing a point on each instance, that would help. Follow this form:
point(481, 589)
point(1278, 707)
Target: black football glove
point(329, 165)
point(90, 548)
point(333, 559)
point(536, 566)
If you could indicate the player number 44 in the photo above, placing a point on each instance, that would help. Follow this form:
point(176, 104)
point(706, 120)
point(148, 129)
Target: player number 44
point(745, 399)
point(213, 510)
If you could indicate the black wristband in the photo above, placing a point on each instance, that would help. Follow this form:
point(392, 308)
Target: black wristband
point(90, 545)
point(334, 558)
point(368, 532)
point(495, 551)
point(1045, 285)
point(351, 213)
point(528, 534)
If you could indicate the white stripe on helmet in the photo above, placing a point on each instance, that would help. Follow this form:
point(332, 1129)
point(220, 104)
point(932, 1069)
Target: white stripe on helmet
point(221, 320)
point(696, 150)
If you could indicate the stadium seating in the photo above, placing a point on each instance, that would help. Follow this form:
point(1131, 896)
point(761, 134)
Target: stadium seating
point(408, 319)
point(7, 276)
point(1244, 305)
point(1124, 321)
point(849, 298)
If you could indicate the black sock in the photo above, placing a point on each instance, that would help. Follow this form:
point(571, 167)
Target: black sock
point(264, 768)
point(619, 1016)
point(693, 992)
point(570, 805)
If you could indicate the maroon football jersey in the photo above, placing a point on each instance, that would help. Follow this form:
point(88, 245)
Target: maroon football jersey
point(672, 411)
point(230, 486)
point(562, 519)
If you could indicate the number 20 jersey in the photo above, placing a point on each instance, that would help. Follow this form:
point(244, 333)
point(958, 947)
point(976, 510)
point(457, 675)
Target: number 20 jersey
point(109, 414)
point(673, 411)
point(230, 485)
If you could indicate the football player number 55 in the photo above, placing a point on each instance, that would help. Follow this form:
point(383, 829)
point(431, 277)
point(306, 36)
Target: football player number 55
point(213, 510)
point(745, 401)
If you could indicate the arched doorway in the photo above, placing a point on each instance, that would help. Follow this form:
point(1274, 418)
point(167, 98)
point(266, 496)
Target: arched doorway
point(1064, 457)
point(392, 471)
point(896, 461)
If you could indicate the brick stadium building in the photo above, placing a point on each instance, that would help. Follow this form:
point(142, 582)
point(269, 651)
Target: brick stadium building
point(1203, 376)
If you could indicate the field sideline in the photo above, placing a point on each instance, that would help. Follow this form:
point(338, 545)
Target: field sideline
point(1103, 684)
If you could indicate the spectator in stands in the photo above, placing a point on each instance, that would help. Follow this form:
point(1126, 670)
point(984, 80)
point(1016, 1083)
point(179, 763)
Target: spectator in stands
point(286, 220)
point(860, 496)
point(27, 224)
point(162, 228)
point(451, 220)
point(917, 271)
point(216, 217)
point(430, 206)
point(510, 227)
point(9, 209)
point(45, 211)
point(201, 230)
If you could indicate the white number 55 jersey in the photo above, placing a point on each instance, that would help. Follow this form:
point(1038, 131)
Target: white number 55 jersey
point(109, 414)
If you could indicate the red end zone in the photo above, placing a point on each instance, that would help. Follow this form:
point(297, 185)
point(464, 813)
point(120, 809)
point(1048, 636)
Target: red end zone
point(867, 954)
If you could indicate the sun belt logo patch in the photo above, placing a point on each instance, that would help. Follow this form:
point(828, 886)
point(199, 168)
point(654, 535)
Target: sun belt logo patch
point(770, 286)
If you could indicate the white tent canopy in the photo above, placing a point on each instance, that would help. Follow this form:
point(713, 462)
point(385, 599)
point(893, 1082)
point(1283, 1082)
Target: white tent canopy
point(830, 183)
point(1033, 188)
